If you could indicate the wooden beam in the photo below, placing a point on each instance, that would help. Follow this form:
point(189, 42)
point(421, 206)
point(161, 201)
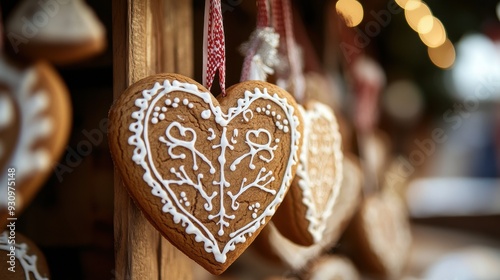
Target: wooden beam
point(149, 37)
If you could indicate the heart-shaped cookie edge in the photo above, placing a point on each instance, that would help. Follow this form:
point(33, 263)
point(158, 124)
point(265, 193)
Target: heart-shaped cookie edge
point(29, 187)
point(118, 127)
point(299, 204)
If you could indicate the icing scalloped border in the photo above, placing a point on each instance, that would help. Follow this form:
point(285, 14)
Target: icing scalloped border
point(139, 127)
point(317, 221)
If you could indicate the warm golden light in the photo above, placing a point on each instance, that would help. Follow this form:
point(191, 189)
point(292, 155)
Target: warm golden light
point(443, 56)
point(351, 11)
point(415, 11)
point(425, 24)
point(436, 36)
point(402, 3)
point(411, 4)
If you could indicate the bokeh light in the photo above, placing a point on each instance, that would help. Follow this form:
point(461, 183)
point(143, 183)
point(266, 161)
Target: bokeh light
point(402, 3)
point(425, 24)
point(415, 11)
point(443, 56)
point(436, 36)
point(351, 11)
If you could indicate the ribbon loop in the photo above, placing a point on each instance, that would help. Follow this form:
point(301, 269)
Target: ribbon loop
point(214, 49)
point(289, 75)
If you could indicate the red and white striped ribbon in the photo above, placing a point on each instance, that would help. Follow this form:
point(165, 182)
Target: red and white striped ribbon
point(262, 13)
point(214, 49)
point(283, 24)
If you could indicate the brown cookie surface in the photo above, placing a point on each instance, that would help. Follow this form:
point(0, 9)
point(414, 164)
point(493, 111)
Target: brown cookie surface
point(207, 173)
point(21, 259)
point(36, 118)
point(379, 236)
point(305, 211)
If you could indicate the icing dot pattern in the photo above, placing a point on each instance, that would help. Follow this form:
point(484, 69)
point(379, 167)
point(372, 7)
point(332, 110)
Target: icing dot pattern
point(255, 209)
point(268, 111)
point(184, 200)
point(158, 112)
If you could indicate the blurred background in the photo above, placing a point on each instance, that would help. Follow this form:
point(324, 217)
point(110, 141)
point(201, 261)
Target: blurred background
point(433, 69)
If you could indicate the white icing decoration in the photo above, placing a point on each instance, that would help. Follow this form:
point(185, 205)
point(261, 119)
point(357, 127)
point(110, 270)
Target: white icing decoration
point(247, 118)
point(260, 182)
point(34, 125)
point(235, 135)
point(313, 180)
point(255, 209)
point(173, 143)
point(206, 114)
point(255, 148)
point(212, 135)
point(28, 262)
point(184, 147)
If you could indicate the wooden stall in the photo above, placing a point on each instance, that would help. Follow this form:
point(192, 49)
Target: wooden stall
point(149, 37)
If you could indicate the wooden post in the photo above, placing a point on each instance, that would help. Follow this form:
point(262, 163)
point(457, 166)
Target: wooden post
point(149, 37)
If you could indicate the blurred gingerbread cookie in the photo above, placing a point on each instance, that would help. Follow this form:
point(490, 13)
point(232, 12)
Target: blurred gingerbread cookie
point(331, 268)
point(379, 238)
point(272, 245)
point(35, 118)
point(316, 186)
point(62, 31)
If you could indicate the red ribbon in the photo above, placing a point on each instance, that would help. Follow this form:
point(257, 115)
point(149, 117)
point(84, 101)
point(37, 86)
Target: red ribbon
point(282, 21)
point(214, 50)
point(262, 22)
point(262, 14)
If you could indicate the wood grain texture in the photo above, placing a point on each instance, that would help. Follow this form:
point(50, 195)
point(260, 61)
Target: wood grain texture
point(149, 37)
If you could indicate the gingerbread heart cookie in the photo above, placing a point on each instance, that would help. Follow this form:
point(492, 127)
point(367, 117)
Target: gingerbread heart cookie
point(21, 259)
point(35, 121)
point(207, 173)
point(316, 186)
